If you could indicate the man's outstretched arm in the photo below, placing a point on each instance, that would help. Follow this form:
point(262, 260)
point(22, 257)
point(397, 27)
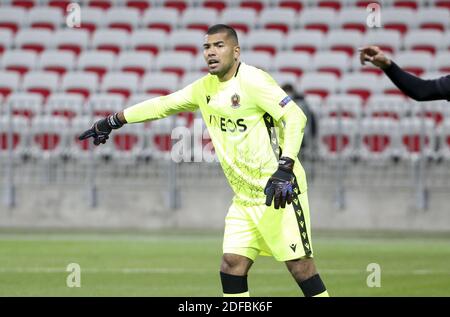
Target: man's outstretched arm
point(414, 87)
point(152, 109)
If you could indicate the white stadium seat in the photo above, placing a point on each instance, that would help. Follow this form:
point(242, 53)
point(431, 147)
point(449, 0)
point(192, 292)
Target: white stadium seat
point(145, 40)
point(57, 61)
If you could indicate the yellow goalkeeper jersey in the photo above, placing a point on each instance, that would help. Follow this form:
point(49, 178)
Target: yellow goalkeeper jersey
point(243, 119)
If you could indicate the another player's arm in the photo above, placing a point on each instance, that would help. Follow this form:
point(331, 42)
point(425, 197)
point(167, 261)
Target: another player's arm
point(152, 109)
point(416, 88)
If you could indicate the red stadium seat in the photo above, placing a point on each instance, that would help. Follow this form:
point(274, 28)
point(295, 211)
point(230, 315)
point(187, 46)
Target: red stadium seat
point(296, 5)
point(242, 20)
point(93, 18)
point(347, 41)
point(20, 61)
point(292, 62)
point(379, 139)
point(279, 19)
point(100, 4)
point(179, 5)
point(59, 4)
point(417, 137)
point(198, 18)
point(218, 5)
point(19, 134)
point(335, 63)
point(442, 61)
point(141, 5)
point(174, 62)
point(49, 136)
point(262, 60)
point(361, 85)
point(73, 40)
point(344, 106)
point(65, 105)
point(97, 62)
point(270, 41)
point(414, 62)
point(388, 40)
point(26, 4)
point(6, 40)
point(105, 104)
point(399, 19)
point(12, 18)
point(423, 40)
point(391, 107)
point(128, 143)
point(41, 82)
point(57, 61)
point(35, 40)
point(444, 140)
point(256, 5)
point(353, 19)
point(9, 82)
point(322, 19)
point(25, 105)
point(434, 110)
point(151, 41)
point(110, 40)
point(82, 83)
point(433, 19)
point(445, 4)
point(165, 19)
point(409, 4)
point(309, 41)
point(337, 138)
point(122, 18)
point(45, 18)
point(333, 4)
point(318, 84)
point(134, 62)
point(186, 40)
point(120, 83)
point(159, 83)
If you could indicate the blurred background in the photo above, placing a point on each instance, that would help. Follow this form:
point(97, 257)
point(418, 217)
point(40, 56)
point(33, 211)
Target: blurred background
point(375, 159)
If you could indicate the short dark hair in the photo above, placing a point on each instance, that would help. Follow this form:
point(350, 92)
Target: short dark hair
point(219, 28)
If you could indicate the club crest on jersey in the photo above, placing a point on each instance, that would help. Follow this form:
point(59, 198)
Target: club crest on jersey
point(235, 101)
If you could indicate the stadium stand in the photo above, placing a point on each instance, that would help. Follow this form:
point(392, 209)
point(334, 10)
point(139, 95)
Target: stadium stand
point(137, 49)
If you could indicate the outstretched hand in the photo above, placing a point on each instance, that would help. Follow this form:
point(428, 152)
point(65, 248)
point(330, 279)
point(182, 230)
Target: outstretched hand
point(374, 55)
point(99, 136)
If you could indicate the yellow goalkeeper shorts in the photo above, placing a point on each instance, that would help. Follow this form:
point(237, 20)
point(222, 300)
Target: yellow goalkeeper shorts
point(284, 234)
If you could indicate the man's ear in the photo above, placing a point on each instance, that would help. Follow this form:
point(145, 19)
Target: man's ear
point(237, 52)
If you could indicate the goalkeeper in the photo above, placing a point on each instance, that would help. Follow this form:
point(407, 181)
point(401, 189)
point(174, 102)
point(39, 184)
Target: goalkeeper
point(256, 130)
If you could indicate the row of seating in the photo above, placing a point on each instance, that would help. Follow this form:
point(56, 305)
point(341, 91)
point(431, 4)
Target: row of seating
point(384, 138)
point(371, 139)
point(50, 136)
point(191, 41)
point(101, 62)
point(220, 5)
point(244, 20)
point(86, 83)
point(72, 106)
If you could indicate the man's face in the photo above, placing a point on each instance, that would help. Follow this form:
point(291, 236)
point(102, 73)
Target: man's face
point(220, 53)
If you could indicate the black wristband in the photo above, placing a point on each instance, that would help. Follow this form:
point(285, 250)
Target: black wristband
point(286, 164)
point(114, 122)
